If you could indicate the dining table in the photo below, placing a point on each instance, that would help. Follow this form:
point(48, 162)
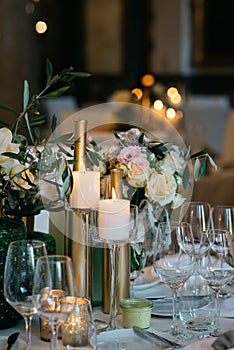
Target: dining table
point(152, 289)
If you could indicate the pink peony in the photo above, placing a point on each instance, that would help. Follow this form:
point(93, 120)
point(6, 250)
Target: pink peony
point(128, 153)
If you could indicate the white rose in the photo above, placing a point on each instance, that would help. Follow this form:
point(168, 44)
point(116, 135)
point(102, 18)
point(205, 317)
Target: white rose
point(18, 174)
point(161, 188)
point(137, 181)
point(172, 162)
point(167, 164)
point(139, 168)
point(7, 146)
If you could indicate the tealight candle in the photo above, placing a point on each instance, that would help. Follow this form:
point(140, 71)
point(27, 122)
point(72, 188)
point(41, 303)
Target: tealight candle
point(86, 189)
point(114, 219)
point(75, 329)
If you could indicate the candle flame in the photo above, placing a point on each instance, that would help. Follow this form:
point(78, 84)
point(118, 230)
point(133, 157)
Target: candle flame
point(113, 194)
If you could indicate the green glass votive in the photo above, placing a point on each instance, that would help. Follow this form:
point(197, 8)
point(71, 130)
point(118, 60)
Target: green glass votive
point(136, 312)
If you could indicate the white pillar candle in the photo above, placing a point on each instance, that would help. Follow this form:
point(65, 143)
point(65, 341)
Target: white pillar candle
point(114, 219)
point(86, 189)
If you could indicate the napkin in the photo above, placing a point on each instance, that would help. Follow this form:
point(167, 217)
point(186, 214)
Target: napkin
point(224, 341)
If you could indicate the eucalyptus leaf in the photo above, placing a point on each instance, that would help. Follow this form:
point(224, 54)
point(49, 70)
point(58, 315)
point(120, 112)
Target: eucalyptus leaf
point(62, 138)
point(93, 157)
point(212, 162)
point(56, 93)
point(55, 80)
point(29, 127)
point(4, 123)
point(203, 167)
point(196, 170)
point(49, 71)
point(80, 74)
point(141, 138)
point(201, 153)
point(14, 156)
point(54, 123)
point(26, 94)
point(6, 108)
point(65, 190)
point(37, 117)
point(185, 177)
point(37, 134)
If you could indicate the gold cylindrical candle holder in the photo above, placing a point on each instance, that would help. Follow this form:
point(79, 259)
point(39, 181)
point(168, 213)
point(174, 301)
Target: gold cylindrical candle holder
point(116, 178)
point(75, 331)
point(78, 248)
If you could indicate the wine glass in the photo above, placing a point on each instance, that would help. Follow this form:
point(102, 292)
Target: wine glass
point(217, 266)
point(54, 291)
point(18, 278)
point(197, 214)
point(174, 266)
point(223, 218)
point(137, 260)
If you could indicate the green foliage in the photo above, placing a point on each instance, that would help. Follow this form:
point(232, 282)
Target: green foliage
point(23, 200)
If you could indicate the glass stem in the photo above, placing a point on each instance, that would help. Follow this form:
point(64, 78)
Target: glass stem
point(217, 311)
point(54, 337)
point(114, 258)
point(174, 326)
point(28, 323)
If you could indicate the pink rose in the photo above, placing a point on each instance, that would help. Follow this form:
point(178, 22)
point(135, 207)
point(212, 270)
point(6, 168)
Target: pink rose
point(139, 169)
point(139, 166)
point(128, 153)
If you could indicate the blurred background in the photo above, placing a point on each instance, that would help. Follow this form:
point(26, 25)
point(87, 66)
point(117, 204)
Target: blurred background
point(135, 50)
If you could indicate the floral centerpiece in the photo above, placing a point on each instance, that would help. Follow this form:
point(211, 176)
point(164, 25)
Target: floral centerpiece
point(156, 171)
point(155, 174)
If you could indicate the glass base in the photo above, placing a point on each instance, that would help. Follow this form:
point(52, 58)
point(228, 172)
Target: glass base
point(181, 335)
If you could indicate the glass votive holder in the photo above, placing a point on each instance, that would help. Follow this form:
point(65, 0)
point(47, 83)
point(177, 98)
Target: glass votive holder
point(45, 327)
point(79, 326)
point(136, 312)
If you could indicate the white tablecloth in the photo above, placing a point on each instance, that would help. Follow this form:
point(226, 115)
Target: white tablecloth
point(157, 323)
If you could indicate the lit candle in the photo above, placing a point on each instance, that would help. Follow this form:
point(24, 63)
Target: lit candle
point(86, 189)
point(76, 328)
point(114, 218)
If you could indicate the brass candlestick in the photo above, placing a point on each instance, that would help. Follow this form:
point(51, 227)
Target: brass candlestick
point(77, 245)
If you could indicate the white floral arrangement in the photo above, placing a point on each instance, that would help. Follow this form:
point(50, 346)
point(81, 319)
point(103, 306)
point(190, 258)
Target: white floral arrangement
point(154, 170)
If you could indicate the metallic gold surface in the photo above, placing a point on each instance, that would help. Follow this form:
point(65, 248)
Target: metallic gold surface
point(76, 240)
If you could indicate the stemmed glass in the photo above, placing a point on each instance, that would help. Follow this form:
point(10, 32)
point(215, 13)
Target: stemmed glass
point(114, 245)
point(222, 217)
point(54, 291)
point(217, 266)
point(197, 214)
point(137, 260)
point(174, 266)
point(18, 278)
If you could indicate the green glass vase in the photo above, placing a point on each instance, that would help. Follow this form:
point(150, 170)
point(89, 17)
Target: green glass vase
point(10, 230)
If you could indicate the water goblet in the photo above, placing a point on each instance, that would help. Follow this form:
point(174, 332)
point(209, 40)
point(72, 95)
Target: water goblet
point(217, 267)
point(137, 260)
point(223, 218)
point(174, 266)
point(18, 278)
point(197, 214)
point(54, 291)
